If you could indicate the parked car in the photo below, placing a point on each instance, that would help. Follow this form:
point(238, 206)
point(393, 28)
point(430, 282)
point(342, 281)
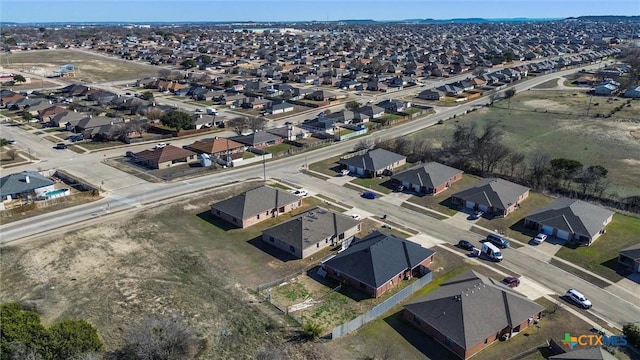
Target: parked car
point(356, 216)
point(369, 195)
point(511, 281)
point(344, 172)
point(12, 142)
point(400, 188)
point(578, 298)
point(159, 146)
point(539, 239)
point(130, 154)
point(300, 192)
point(466, 245)
point(61, 146)
point(477, 215)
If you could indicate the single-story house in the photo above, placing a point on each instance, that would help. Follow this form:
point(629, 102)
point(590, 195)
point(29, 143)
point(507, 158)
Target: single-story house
point(311, 231)
point(632, 92)
point(279, 108)
point(165, 157)
point(492, 195)
point(24, 185)
point(374, 162)
point(377, 262)
point(394, 105)
point(571, 219)
point(372, 111)
point(258, 139)
point(290, 132)
point(430, 178)
point(216, 146)
point(256, 205)
point(630, 257)
point(469, 312)
point(432, 94)
point(585, 353)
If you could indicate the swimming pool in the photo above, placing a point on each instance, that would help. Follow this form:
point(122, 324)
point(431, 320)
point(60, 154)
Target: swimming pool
point(56, 193)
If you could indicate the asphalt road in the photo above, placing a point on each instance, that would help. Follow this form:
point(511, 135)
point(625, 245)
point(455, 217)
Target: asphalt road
point(127, 192)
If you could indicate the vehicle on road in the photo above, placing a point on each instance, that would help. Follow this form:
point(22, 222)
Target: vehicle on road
point(12, 142)
point(466, 245)
point(539, 239)
point(511, 281)
point(198, 110)
point(476, 215)
point(130, 154)
point(498, 240)
point(160, 145)
point(61, 146)
point(578, 298)
point(299, 192)
point(369, 195)
point(344, 172)
point(356, 216)
point(491, 251)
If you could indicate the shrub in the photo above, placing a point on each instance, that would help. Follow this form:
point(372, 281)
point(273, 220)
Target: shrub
point(632, 332)
point(312, 330)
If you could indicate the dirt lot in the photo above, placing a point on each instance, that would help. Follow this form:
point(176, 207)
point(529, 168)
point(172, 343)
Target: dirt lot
point(91, 68)
point(163, 260)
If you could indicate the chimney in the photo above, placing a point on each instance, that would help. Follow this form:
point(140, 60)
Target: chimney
point(27, 180)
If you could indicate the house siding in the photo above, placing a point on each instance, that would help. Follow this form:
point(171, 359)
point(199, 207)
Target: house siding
point(267, 214)
point(313, 248)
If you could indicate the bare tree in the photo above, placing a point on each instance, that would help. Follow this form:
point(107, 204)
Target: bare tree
point(257, 123)
point(363, 144)
point(513, 161)
point(491, 155)
point(538, 169)
point(238, 124)
point(154, 114)
point(162, 339)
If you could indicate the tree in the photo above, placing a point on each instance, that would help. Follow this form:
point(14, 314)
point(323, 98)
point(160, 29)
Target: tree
point(363, 144)
point(228, 84)
point(189, 63)
point(257, 123)
point(147, 95)
point(4, 142)
point(538, 169)
point(19, 78)
point(206, 59)
point(162, 339)
point(153, 114)
point(20, 327)
point(71, 338)
point(238, 124)
point(177, 120)
point(632, 332)
point(352, 105)
point(514, 160)
point(509, 93)
point(311, 330)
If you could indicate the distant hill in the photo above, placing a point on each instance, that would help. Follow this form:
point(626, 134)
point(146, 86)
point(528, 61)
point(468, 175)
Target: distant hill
point(607, 18)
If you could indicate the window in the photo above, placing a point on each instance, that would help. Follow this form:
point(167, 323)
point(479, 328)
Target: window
point(271, 239)
point(217, 212)
point(317, 245)
point(291, 248)
point(416, 319)
point(362, 285)
point(448, 342)
point(235, 220)
point(486, 341)
point(258, 216)
point(341, 236)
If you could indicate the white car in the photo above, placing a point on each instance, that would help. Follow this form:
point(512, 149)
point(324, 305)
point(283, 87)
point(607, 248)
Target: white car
point(344, 172)
point(578, 298)
point(540, 238)
point(356, 216)
point(159, 146)
point(300, 192)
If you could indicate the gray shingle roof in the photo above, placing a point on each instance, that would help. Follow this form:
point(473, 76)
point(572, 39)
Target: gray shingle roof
point(471, 307)
point(493, 192)
point(378, 257)
point(573, 216)
point(589, 353)
point(374, 160)
point(254, 202)
point(13, 184)
point(429, 175)
point(632, 252)
point(255, 138)
point(311, 227)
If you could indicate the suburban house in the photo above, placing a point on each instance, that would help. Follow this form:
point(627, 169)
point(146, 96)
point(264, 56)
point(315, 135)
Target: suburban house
point(254, 206)
point(432, 94)
point(430, 178)
point(216, 146)
point(377, 262)
point(585, 353)
point(492, 195)
point(374, 162)
point(311, 231)
point(45, 115)
point(372, 111)
point(571, 219)
point(165, 157)
point(24, 185)
point(279, 108)
point(258, 139)
point(632, 92)
point(290, 132)
point(471, 311)
point(630, 257)
point(393, 105)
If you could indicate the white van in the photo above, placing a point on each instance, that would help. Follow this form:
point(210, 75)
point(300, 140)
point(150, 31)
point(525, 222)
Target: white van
point(212, 111)
point(491, 251)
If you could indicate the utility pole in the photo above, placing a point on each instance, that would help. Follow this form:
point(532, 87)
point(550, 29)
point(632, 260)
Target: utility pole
point(264, 168)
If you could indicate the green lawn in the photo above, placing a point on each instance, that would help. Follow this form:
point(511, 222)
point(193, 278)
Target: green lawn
point(441, 202)
point(381, 184)
point(513, 224)
point(329, 167)
point(278, 148)
point(601, 256)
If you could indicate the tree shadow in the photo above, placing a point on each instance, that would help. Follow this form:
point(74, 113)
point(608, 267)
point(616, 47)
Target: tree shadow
point(430, 348)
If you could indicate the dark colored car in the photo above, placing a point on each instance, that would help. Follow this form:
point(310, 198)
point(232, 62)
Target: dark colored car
point(130, 154)
point(61, 146)
point(464, 244)
point(511, 281)
point(369, 195)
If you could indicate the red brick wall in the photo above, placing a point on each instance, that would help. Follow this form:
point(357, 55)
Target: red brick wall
point(254, 220)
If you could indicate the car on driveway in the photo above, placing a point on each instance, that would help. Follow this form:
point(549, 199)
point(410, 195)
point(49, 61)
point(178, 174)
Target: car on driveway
point(299, 192)
point(160, 145)
point(578, 298)
point(466, 245)
point(539, 239)
point(356, 216)
point(61, 146)
point(477, 215)
point(511, 281)
point(344, 172)
point(369, 195)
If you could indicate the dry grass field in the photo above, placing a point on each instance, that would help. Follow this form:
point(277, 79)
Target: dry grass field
point(91, 68)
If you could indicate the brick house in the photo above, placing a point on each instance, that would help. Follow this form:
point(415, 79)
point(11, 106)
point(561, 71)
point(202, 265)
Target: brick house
point(430, 178)
point(493, 196)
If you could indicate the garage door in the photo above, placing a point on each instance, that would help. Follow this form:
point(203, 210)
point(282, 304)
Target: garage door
point(547, 229)
point(484, 208)
point(470, 204)
point(562, 235)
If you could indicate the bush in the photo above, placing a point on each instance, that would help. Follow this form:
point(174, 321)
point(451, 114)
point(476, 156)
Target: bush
point(632, 332)
point(311, 330)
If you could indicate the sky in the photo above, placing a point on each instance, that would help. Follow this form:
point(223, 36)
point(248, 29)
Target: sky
point(29, 11)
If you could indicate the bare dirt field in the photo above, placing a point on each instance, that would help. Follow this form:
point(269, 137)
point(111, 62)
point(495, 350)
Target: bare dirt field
point(161, 261)
point(91, 68)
